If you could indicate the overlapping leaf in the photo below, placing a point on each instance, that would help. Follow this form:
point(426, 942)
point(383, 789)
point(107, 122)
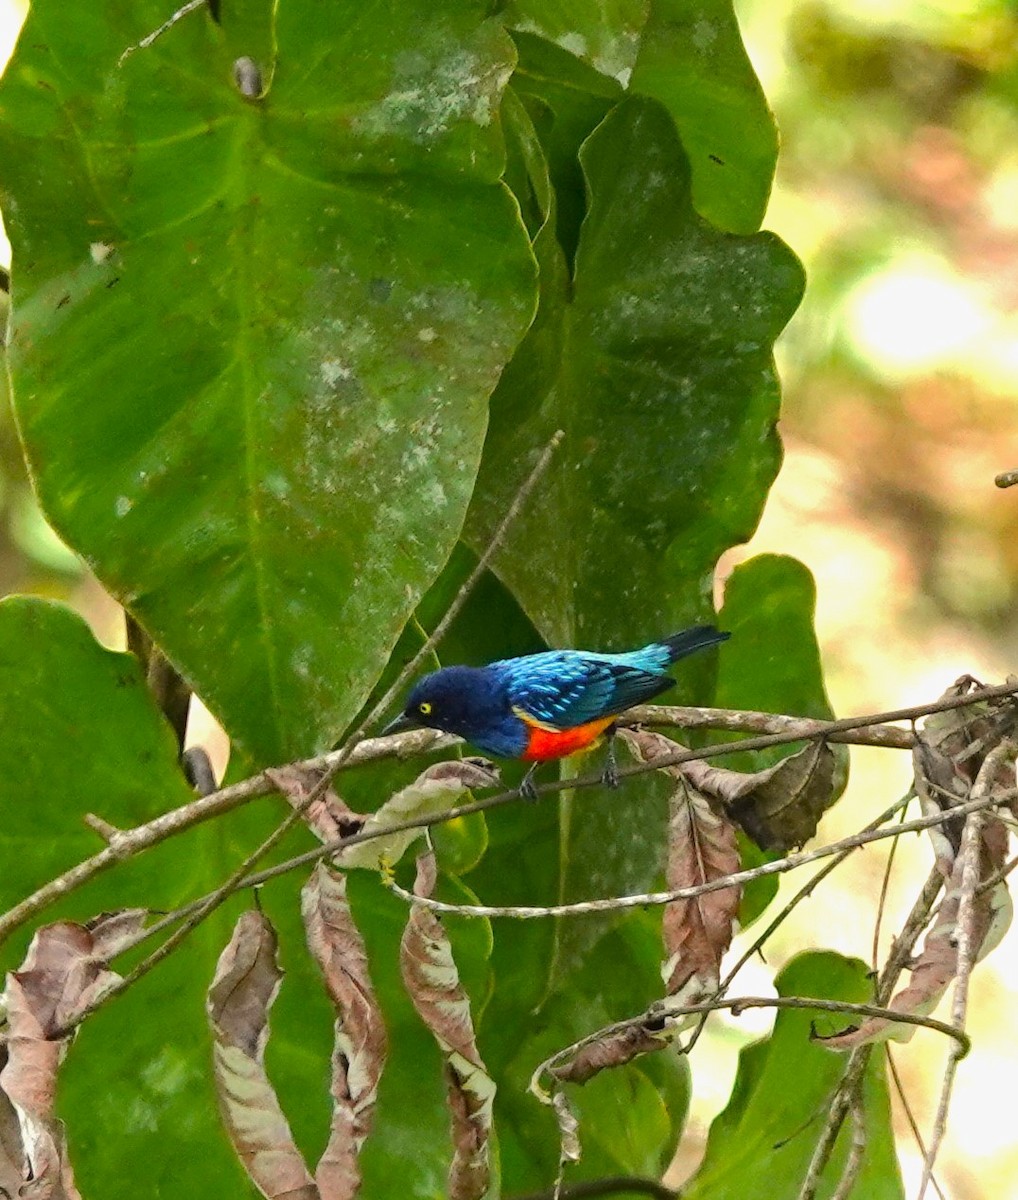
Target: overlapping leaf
point(245, 985)
point(253, 341)
point(432, 980)
point(687, 54)
point(659, 369)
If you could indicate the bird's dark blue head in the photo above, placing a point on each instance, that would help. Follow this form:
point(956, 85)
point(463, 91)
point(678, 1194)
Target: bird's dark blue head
point(469, 701)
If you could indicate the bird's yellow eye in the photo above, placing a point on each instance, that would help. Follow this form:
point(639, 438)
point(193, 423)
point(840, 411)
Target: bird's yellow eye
point(424, 708)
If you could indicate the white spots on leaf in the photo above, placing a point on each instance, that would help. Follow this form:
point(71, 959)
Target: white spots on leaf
point(333, 371)
point(574, 43)
point(100, 252)
point(704, 36)
point(426, 335)
point(122, 506)
point(278, 484)
point(433, 90)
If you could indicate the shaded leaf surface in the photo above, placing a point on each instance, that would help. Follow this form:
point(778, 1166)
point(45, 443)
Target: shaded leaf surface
point(81, 734)
point(432, 980)
point(782, 1093)
point(688, 54)
point(662, 378)
point(245, 985)
point(305, 302)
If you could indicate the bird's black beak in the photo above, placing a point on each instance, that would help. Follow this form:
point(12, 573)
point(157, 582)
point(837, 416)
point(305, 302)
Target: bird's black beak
point(400, 725)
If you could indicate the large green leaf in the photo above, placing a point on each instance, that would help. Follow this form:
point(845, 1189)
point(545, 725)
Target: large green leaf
point(659, 368)
point(686, 53)
point(253, 341)
point(782, 1092)
point(81, 734)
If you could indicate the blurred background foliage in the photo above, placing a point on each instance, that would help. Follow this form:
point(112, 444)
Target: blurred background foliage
point(898, 187)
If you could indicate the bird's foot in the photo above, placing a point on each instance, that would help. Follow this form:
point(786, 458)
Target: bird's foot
point(610, 774)
point(527, 788)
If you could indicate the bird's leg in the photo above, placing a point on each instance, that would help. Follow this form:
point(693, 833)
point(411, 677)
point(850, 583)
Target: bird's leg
point(527, 788)
point(610, 774)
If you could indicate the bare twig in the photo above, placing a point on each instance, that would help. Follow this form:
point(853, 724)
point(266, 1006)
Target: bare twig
point(899, 1087)
point(855, 1154)
point(734, 720)
point(614, 903)
point(420, 741)
point(845, 1099)
point(622, 1185)
point(190, 7)
point(970, 853)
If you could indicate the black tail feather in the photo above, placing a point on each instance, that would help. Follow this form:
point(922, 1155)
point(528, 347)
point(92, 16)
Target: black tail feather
point(690, 640)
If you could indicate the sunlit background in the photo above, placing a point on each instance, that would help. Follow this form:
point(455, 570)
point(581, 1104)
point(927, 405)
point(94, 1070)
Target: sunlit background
point(898, 187)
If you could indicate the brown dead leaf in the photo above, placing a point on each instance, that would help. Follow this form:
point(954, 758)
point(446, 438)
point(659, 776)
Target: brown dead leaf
point(245, 985)
point(702, 847)
point(615, 1049)
point(937, 965)
point(329, 817)
point(360, 1044)
point(432, 982)
point(778, 808)
point(64, 971)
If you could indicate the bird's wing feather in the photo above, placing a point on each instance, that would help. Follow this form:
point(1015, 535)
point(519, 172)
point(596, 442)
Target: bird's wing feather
point(563, 689)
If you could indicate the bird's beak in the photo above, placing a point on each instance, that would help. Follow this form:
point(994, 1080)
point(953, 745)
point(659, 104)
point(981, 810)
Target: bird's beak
point(400, 725)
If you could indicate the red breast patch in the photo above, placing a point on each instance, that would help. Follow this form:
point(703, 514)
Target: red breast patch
point(557, 743)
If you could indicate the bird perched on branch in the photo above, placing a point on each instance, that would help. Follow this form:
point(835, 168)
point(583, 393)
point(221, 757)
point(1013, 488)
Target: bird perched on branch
point(548, 705)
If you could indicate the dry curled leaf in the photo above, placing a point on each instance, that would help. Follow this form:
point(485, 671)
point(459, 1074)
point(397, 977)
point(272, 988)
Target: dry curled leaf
point(948, 756)
point(437, 788)
point(329, 817)
point(243, 989)
point(359, 1050)
point(937, 964)
point(432, 982)
point(778, 808)
point(615, 1048)
point(64, 971)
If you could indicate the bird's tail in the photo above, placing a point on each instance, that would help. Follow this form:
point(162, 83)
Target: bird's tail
point(679, 645)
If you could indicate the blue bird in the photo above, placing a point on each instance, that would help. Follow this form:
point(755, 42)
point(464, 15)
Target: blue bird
point(549, 705)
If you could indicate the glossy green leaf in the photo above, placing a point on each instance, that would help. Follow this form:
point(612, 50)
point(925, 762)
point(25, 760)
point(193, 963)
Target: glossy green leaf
point(81, 734)
point(688, 54)
point(253, 340)
point(782, 1092)
point(662, 377)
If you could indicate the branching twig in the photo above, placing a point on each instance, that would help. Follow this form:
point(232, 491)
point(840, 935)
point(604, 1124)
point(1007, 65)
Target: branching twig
point(421, 741)
point(615, 903)
point(970, 853)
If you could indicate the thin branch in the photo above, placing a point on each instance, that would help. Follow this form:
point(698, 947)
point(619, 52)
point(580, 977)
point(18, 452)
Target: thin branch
point(906, 1107)
point(844, 1101)
point(734, 720)
point(416, 742)
point(970, 852)
point(855, 1154)
point(614, 1185)
point(615, 903)
point(148, 39)
point(738, 1005)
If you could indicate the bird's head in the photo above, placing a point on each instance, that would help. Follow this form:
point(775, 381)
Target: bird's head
point(454, 700)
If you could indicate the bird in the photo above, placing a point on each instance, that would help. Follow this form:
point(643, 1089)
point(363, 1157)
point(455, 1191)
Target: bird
point(548, 705)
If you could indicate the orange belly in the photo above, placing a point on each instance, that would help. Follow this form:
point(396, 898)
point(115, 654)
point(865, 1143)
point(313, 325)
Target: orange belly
point(557, 743)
